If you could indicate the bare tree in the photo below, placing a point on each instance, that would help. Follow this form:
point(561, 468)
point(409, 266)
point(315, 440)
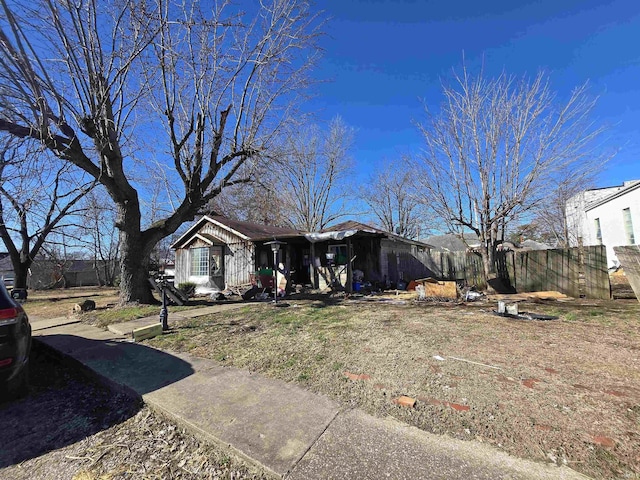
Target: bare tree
point(99, 235)
point(256, 201)
point(391, 196)
point(496, 146)
point(119, 87)
point(314, 186)
point(550, 216)
point(39, 196)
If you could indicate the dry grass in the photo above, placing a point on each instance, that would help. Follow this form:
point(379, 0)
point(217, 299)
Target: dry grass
point(59, 303)
point(72, 427)
point(565, 390)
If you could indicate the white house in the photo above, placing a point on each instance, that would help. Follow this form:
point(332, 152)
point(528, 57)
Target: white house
point(605, 216)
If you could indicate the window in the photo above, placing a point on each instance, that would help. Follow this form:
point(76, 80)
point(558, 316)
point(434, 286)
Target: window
point(200, 262)
point(628, 226)
point(598, 232)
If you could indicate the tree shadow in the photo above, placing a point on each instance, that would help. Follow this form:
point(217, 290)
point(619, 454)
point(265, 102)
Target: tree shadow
point(132, 366)
point(66, 403)
point(63, 407)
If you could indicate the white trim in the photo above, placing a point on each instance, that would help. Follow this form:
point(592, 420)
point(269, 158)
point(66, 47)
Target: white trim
point(189, 234)
point(614, 195)
point(203, 238)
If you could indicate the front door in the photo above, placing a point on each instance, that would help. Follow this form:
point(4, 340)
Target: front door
point(216, 266)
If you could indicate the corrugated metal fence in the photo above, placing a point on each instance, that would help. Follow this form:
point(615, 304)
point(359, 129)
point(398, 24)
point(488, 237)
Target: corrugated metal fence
point(569, 271)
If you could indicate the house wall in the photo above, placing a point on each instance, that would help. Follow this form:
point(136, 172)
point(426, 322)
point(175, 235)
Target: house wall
point(239, 258)
point(612, 222)
point(389, 258)
point(581, 218)
point(239, 263)
point(576, 213)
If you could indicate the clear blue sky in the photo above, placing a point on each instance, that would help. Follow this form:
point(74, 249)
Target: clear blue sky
point(384, 57)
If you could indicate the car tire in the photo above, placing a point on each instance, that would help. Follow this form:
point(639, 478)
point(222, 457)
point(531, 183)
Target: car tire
point(18, 387)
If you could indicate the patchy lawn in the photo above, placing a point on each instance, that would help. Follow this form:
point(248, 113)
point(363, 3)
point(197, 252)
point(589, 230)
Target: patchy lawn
point(60, 303)
point(566, 390)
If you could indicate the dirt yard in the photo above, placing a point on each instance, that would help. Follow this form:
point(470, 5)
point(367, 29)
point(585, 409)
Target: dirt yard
point(60, 302)
point(564, 391)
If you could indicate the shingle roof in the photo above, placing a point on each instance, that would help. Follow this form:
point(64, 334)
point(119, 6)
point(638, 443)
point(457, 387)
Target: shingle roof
point(247, 230)
point(453, 243)
point(256, 231)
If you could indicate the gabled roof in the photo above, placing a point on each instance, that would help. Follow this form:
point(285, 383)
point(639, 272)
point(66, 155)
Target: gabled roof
point(453, 243)
point(256, 231)
point(617, 191)
point(244, 230)
point(352, 225)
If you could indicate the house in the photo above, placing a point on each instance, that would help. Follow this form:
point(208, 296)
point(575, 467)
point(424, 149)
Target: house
point(381, 256)
point(48, 273)
point(605, 216)
point(218, 252)
point(453, 243)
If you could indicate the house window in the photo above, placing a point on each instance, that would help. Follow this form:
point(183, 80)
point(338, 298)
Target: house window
point(339, 254)
point(628, 226)
point(598, 232)
point(200, 262)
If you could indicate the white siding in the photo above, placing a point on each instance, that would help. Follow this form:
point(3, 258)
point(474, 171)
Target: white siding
point(582, 213)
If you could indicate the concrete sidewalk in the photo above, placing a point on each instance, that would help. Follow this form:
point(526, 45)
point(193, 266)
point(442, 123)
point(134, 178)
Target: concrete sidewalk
point(289, 431)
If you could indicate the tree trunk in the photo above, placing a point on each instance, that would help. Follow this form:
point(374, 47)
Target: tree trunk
point(134, 269)
point(20, 274)
point(488, 264)
point(135, 254)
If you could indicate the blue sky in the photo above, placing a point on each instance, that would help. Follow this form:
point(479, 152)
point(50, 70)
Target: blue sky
point(384, 58)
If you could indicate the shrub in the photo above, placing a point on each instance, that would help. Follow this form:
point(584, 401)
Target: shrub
point(188, 288)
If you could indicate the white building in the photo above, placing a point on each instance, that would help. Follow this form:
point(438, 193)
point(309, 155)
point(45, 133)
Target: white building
point(605, 216)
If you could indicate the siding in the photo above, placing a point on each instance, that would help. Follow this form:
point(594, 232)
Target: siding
point(390, 252)
point(583, 210)
point(239, 256)
point(239, 263)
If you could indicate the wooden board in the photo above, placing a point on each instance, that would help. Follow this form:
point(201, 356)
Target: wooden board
point(442, 289)
point(629, 257)
point(150, 331)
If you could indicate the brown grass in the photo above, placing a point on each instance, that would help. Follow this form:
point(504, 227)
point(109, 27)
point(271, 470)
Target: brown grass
point(566, 390)
point(60, 302)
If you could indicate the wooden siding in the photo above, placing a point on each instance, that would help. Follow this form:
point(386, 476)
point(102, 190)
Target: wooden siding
point(629, 257)
point(182, 266)
point(239, 256)
point(390, 264)
point(239, 263)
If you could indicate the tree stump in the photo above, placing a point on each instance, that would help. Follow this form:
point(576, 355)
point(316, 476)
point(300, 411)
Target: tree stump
point(85, 306)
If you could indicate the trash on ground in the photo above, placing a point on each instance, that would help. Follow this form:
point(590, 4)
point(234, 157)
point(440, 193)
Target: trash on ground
point(472, 296)
point(475, 363)
point(434, 288)
point(525, 316)
point(545, 295)
point(508, 307)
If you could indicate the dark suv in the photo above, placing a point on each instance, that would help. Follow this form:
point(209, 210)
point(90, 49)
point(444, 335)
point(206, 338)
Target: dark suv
point(15, 345)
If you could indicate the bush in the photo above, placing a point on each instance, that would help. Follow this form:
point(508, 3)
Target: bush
point(188, 288)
